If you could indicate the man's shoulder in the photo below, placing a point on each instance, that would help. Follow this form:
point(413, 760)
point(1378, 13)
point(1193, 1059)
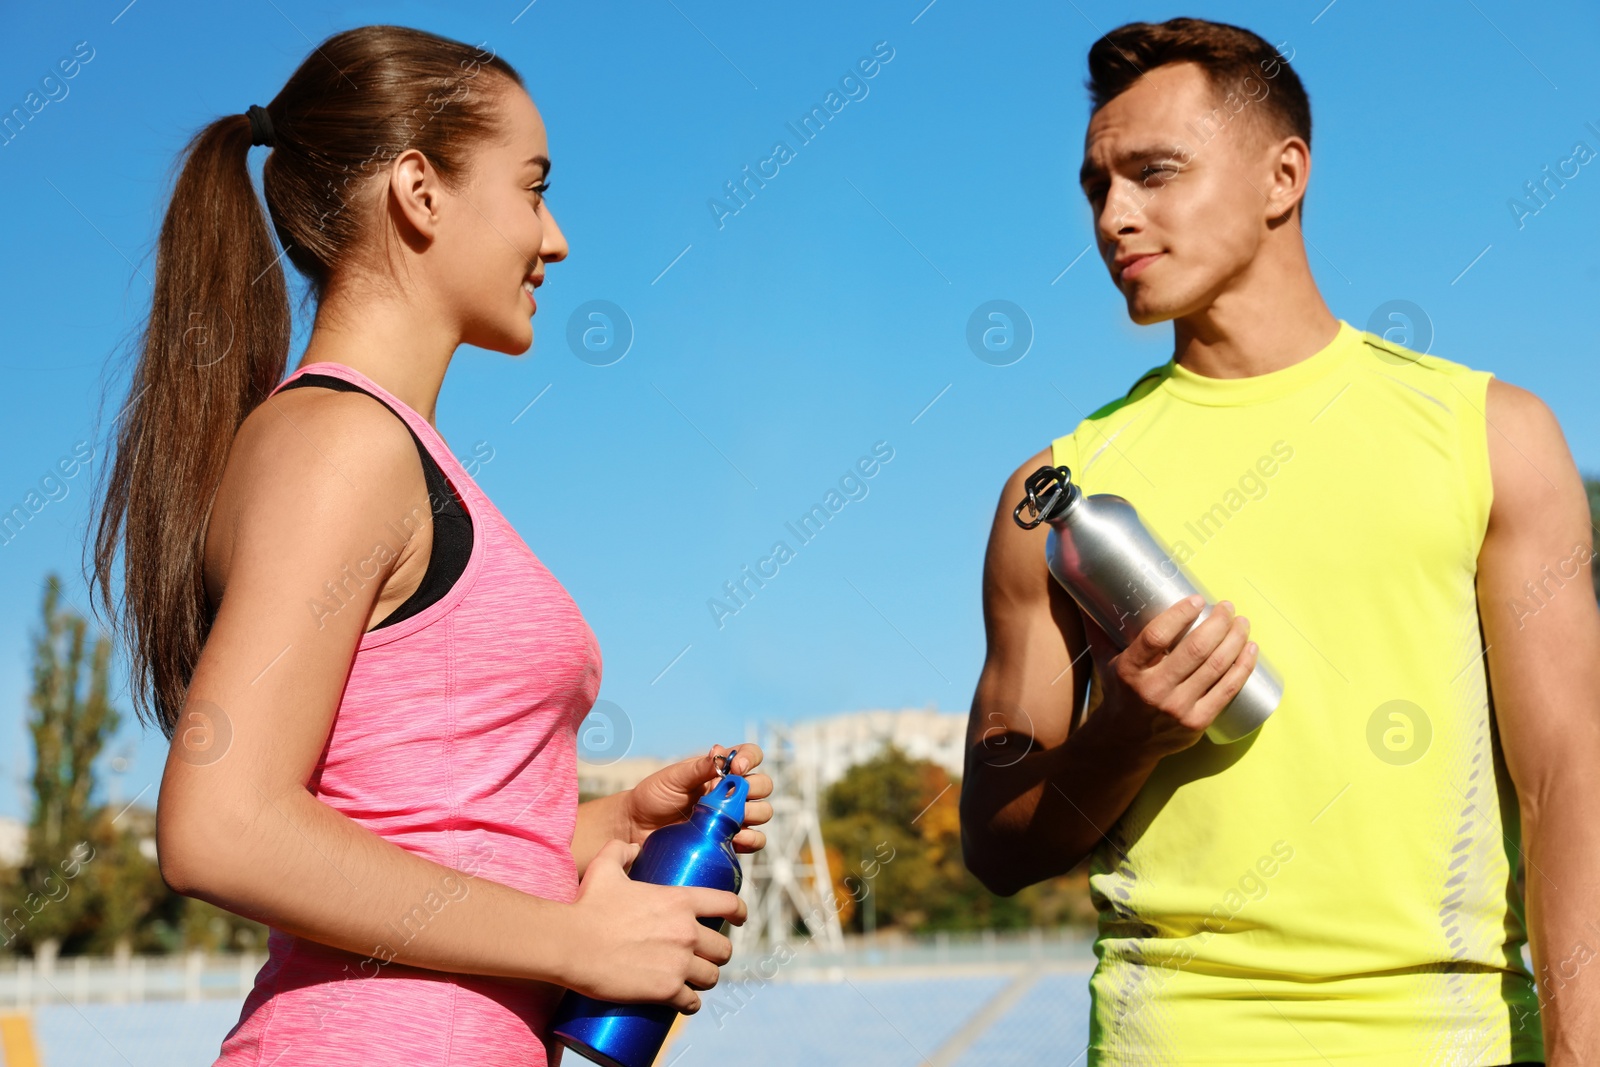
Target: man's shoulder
point(1386, 354)
point(1142, 387)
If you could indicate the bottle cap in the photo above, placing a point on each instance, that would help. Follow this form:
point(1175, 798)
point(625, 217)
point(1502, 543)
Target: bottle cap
point(1051, 494)
point(727, 797)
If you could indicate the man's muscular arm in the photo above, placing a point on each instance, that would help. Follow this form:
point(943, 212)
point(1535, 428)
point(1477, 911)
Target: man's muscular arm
point(1042, 782)
point(1543, 654)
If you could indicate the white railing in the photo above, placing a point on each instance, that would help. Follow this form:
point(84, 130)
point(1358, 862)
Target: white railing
point(126, 979)
point(968, 947)
point(199, 976)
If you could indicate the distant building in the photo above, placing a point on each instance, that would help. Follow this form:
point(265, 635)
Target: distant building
point(832, 745)
point(603, 779)
point(135, 819)
point(835, 744)
point(141, 822)
point(13, 841)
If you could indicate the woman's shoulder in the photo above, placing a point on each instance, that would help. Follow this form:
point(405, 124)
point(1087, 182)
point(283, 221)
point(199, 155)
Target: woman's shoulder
point(307, 437)
point(313, 465)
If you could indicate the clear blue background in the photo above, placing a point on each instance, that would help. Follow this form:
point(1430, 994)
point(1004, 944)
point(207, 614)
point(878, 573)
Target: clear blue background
point(824, 317)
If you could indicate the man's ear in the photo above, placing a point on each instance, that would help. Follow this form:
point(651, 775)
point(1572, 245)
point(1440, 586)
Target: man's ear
point(415, 191)
point(1291, 171)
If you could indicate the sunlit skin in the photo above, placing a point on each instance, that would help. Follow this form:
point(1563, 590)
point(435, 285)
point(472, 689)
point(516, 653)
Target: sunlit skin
point(455, 263)
point(1229, 268)
point(1213, 244)
point(464, 256)
point(314, 478)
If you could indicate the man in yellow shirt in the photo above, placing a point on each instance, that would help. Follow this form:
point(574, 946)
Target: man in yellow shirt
point(1408, 539)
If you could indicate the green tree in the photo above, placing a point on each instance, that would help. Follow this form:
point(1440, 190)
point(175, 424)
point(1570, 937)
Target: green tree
point(70, 717)
point(122, 886)
point(70, 721)
point(893, 831)
point(90, 882)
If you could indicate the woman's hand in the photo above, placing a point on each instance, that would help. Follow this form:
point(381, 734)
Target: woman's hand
point(635, 943)
point(669, 795)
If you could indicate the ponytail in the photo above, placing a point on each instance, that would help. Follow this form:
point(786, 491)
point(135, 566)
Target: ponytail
point(217, 340)
point(216, 344)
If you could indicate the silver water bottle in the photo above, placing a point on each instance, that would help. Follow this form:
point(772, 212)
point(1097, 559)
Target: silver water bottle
point(1121, 577)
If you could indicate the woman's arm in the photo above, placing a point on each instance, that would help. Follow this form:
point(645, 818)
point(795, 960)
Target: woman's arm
point(236, 824)
point(600, 820)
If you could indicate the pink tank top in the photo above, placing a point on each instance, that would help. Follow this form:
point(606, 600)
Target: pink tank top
point(455, 738)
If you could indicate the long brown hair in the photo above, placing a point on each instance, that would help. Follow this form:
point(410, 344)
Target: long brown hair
point(217, 340)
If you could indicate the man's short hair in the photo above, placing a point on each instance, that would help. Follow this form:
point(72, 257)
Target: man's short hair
point(1229, 55)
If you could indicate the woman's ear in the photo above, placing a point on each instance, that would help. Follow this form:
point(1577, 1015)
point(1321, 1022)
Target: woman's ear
point(415, 191)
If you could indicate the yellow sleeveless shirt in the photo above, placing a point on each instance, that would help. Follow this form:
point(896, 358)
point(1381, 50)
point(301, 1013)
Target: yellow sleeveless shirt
point(1342, 885)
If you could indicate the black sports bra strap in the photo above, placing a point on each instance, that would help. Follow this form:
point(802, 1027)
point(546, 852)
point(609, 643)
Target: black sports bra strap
point(452, 527)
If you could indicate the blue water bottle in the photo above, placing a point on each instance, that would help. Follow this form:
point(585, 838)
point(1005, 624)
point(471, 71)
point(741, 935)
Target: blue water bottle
point(698, 853)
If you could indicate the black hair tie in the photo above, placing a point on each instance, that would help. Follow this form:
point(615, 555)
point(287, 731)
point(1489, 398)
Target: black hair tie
point(260, 125)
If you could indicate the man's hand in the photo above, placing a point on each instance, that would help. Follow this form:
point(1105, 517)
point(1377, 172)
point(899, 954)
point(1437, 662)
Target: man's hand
point(1166, 688)
point(1043, 782)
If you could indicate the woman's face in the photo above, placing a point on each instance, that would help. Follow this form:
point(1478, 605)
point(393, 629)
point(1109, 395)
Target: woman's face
point(493, 254)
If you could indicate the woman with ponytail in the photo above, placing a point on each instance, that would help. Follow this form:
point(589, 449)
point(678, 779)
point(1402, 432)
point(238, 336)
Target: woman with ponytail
point(371, 684)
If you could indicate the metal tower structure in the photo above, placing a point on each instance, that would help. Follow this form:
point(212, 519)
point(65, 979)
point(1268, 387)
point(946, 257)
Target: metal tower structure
point(788, 880)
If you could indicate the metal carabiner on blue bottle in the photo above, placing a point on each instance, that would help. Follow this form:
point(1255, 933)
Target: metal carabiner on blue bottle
point(698, 853)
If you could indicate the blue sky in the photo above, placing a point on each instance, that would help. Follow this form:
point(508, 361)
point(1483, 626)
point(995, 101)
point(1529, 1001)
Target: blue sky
point(829, 314)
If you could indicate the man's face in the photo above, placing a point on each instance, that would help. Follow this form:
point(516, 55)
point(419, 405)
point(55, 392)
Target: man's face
point(1177, 178)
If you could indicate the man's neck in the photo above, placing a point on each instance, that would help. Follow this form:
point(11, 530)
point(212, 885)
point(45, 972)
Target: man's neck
point(1264, 323)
